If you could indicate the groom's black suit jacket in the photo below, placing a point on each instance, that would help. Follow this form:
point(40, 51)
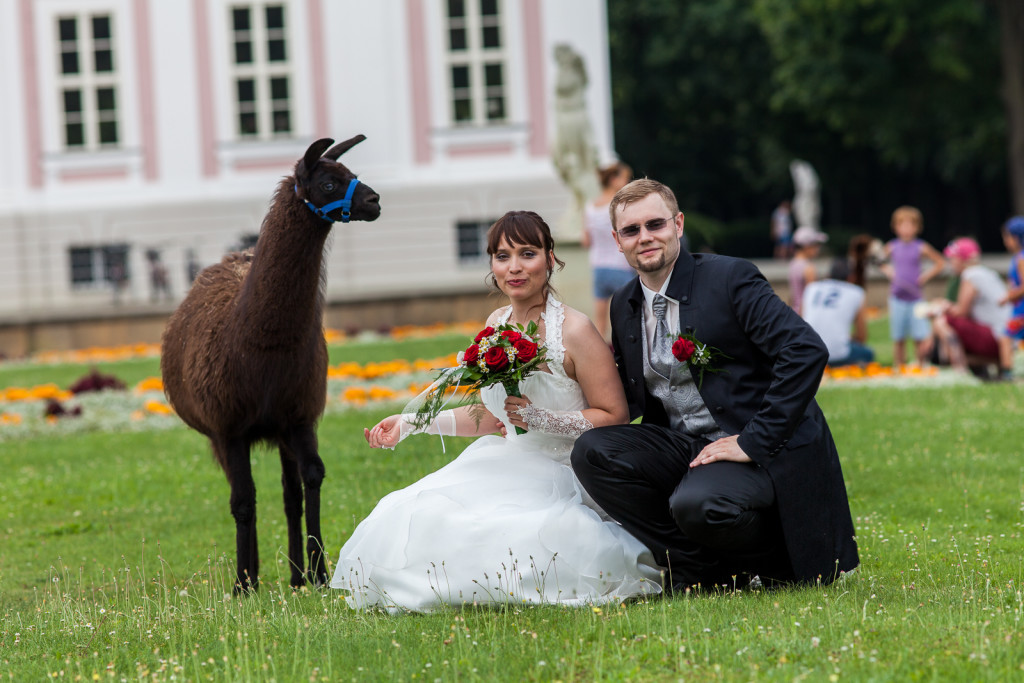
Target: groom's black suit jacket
point(764, 392)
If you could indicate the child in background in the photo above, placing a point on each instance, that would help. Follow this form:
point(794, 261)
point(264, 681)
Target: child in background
point(1013, 238)
point(904, 255)
point(808, 243)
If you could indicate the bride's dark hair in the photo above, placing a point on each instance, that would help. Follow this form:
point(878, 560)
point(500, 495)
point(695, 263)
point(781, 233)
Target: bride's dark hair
point(522, 227)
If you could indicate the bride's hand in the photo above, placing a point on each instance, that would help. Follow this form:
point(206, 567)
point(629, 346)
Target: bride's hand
point(386, 433)
point(512, 406)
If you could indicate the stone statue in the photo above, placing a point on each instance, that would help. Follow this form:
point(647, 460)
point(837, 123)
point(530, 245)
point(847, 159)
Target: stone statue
point(806, 204)
point(574, 152)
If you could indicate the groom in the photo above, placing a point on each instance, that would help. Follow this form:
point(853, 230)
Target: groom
point(733, 471)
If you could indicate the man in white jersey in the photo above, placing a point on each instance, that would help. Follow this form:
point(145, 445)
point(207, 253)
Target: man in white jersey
point(834, 307)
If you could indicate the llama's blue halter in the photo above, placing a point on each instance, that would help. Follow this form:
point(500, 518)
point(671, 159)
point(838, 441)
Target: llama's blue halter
point(345, 204)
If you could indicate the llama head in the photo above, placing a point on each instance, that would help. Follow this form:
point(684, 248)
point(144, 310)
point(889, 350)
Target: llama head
point(321, 181)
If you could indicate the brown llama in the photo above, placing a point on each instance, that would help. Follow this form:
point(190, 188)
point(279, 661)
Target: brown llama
point(244, 358)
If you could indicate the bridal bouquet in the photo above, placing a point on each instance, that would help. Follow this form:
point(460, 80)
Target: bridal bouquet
point(505, 354)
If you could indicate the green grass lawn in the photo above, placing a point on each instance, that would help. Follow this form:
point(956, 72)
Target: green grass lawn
point(116, 562)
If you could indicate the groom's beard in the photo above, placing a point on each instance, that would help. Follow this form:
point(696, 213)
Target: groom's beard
point(667, 257)
point(652, 266)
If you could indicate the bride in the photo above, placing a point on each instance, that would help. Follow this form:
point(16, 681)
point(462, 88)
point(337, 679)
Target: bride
point(507, 521)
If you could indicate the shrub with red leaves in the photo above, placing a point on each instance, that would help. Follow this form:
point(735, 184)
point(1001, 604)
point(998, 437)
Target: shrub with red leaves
point(54, 408)
point(95, 381)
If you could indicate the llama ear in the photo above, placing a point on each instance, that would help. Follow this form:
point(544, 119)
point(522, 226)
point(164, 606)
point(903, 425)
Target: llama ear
point(342, 147)
point(314, 152)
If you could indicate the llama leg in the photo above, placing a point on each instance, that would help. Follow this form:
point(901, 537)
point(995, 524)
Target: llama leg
point(243, 509)
point(303, 445)
point(292, 485)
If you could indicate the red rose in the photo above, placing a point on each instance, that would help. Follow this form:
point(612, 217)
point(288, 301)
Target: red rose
point(526, 350)
point(486, 332)
point(470, 355)
point(512, 336)
point(682, 349)
point(496, 358)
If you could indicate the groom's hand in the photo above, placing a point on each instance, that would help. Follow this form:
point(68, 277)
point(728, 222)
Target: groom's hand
point(726, 448)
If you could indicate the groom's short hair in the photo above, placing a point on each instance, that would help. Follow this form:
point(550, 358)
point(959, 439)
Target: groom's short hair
point(637, 190)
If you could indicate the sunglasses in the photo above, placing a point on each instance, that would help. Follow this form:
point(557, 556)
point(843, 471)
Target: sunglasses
point(655, 225)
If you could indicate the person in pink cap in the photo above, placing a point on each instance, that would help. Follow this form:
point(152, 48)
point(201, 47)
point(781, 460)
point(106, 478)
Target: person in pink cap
point(974, 326)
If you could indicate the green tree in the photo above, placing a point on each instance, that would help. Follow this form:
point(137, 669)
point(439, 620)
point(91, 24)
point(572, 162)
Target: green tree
point(892, 101)
point(1011, 20)
point(690, 81)
point(914, 81)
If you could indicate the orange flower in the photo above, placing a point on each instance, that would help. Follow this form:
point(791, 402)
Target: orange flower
point(355, 394)
point(149, 384)
point(159, 408)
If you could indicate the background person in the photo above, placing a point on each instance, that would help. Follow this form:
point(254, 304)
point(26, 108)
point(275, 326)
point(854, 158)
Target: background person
point(904, 255)
point(607, 264)
point(834, 307)
point(1013, 238)
point(808, 243)
point(974, 327)
point(782, 231)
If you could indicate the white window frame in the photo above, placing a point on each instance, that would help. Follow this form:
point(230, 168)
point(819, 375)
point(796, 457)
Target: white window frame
point(261, 70)
point(88, 81)
point(476, 57)
point(465, 227)
point(100, 277)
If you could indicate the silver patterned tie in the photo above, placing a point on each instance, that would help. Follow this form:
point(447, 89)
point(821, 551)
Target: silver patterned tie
point(661, 349)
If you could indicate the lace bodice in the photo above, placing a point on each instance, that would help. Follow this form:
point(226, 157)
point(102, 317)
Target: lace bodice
point(551, 389)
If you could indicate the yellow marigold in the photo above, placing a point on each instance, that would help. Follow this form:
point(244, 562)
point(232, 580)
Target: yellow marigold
point(334, 336)
point(159, 408)
point(875, 369)
point(393, 367)
point(840, 373)
point(345, 370)
point(417, 387)
point(382, 393)
point(16, 394)
point(355, 394)
point(43, 391)
point(10, 419)
point(150, 384)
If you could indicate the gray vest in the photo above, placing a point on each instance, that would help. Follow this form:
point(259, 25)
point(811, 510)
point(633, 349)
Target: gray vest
point(683, 403)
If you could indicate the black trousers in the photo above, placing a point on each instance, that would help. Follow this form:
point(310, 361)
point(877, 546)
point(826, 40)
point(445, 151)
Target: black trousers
point(707, 524)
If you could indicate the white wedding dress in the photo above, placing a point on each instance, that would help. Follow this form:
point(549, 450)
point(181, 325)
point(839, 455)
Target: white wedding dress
point(506, 522)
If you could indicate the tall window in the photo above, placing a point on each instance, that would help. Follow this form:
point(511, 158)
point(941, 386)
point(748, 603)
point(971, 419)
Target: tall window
point(94, 265)
point(471, 240)
point(88, 81)
point(261, 71)
point(476, 62)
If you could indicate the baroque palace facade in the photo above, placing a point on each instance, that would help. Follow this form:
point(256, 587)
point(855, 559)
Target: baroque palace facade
point(142, 136)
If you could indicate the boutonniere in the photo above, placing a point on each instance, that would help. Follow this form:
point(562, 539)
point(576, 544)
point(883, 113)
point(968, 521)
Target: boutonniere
point(688, 349)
